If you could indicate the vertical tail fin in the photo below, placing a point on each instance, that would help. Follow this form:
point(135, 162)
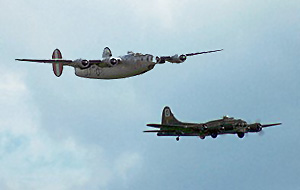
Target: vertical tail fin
point(106, 53)
point(57, 67)
point(168, 117)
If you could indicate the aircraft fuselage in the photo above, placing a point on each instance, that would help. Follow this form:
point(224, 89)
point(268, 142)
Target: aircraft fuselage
point(131, 64)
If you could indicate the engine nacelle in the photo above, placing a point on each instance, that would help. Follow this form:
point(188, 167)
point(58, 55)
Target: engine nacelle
point(172, 59)
point(256, 127)
point(177, 59)
point(160, 59)
point(82, 63)
point(112, 61)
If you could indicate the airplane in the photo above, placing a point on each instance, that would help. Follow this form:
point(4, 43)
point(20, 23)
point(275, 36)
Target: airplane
point(110, 67)
point(170, 126)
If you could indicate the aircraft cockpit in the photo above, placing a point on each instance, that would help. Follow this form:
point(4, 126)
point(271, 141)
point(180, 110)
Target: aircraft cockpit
point(226, 117)
point(140, 56)
point(135, 54)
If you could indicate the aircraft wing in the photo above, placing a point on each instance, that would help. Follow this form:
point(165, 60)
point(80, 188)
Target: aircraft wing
point(270, 125)
point(64, 61)
point(181, 58)
point(176, 128)
point(203, 52)
point(190, 126)
point(58, 62)
point(80, 63)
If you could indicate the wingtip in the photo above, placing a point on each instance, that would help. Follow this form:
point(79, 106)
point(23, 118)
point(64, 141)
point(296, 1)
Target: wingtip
point(270, 125)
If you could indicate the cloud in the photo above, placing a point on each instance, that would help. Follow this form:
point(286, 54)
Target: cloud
point(30, 159)
point(90, 141)
point(125, 163)
point(164, 13)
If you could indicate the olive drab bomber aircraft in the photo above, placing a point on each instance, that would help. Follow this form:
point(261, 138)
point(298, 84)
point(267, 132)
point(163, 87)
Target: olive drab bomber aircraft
point(110, 67)
point(170, 126)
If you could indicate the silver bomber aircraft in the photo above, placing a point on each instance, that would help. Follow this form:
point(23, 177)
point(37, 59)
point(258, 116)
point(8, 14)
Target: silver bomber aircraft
point(110, 67)
point(170, 126)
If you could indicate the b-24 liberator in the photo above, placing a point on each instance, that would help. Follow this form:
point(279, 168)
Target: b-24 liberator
point(110, 67)
point(170, 126)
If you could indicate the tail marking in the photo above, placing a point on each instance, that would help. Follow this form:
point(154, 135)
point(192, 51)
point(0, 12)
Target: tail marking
point(57, 67)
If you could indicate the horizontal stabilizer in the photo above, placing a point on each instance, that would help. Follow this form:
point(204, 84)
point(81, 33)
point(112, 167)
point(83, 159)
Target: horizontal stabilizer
point(164, 125)
point(152, 131)
point(154, 125)
point(159, 131)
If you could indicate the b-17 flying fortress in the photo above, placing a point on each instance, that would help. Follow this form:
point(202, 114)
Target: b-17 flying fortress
point(170, 126)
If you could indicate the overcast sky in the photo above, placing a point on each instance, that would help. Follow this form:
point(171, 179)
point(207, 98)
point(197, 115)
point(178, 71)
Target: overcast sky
point(73, 133)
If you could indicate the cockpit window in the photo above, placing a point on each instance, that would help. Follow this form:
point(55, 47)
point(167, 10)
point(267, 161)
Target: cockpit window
point(226, 117)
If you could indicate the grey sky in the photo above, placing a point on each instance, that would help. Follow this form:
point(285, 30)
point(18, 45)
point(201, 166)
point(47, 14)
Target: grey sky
point(73, 133)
